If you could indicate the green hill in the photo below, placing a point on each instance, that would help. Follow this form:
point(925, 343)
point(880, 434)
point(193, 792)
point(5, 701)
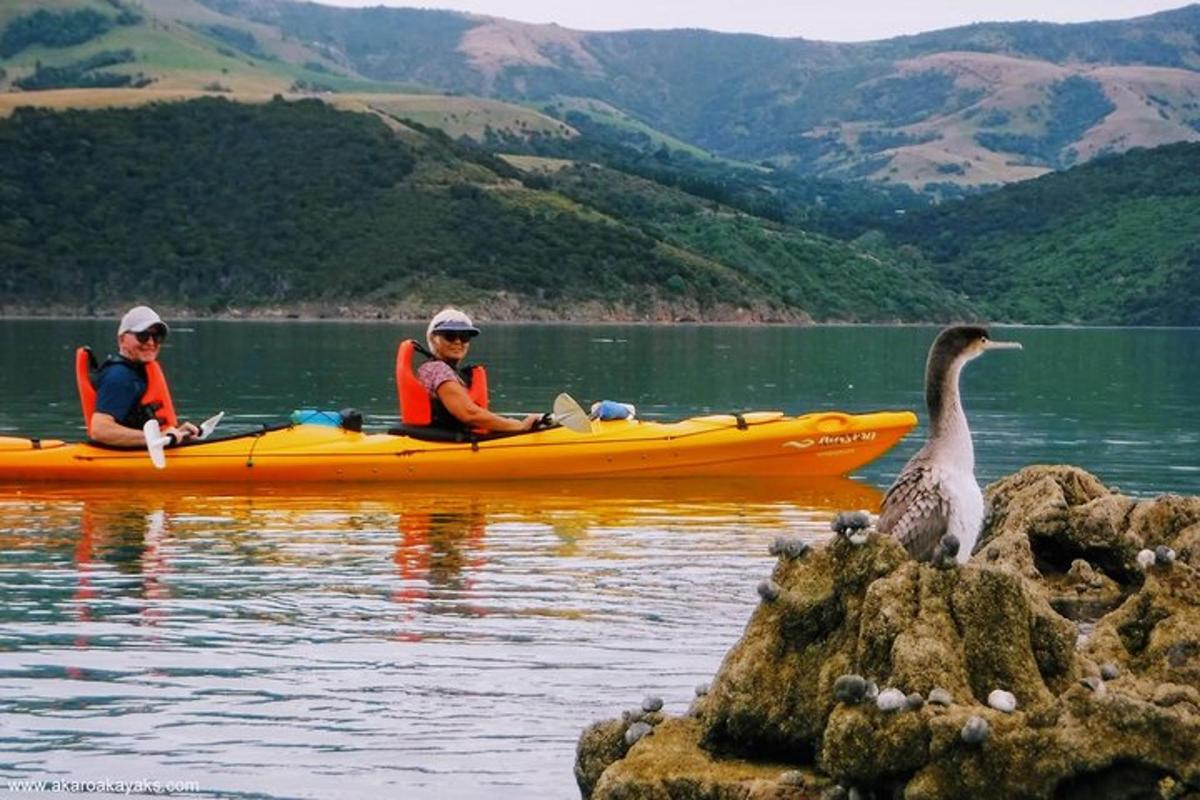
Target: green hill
point(290, 205)
point(172, 52)
point(1115, 241)
point(820, 274)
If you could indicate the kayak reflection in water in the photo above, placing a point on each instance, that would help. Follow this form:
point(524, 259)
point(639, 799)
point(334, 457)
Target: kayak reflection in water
point(435, 556)
point(446, 394)
point(129, 389)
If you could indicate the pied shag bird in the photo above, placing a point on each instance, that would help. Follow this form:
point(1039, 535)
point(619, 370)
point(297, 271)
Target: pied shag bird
point(936, 495)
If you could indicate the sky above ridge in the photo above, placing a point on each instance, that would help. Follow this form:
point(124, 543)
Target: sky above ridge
point(827, 20)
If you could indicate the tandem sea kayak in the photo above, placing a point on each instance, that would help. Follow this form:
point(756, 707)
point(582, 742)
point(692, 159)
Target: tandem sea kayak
point(763, 443)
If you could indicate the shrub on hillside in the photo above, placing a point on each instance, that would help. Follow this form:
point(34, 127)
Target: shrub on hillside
point(238, 39)
point(50, 29)
point(82, 74)
point(1074, 105)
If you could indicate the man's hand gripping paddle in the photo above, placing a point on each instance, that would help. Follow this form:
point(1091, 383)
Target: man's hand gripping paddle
point(156, 442)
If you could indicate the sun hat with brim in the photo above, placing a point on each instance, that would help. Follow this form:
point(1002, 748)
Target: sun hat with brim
point(450, 320)
point(457, 326)
point(140, 318)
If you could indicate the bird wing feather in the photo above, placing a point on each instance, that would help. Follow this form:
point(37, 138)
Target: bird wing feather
point(916, 510)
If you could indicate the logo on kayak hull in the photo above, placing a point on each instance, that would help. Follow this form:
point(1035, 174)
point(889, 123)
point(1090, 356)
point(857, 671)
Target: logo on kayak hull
point(833, 440)
point(846, 438)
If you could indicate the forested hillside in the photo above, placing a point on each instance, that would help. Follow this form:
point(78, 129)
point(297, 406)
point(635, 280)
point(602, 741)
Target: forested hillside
point(1111, 242)
point(213, 204)
point(294, 206)
point(1116, 241)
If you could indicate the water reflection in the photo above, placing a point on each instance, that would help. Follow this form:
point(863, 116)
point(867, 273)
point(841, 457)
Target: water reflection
point(435, 552)
point(440, 533)
point(442, 642)
point(128, 529)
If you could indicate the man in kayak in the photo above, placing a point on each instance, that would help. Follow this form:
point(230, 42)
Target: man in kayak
point(449, 338)
point(127, 394)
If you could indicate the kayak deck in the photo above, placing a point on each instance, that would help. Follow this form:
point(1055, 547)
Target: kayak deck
point(752, 444)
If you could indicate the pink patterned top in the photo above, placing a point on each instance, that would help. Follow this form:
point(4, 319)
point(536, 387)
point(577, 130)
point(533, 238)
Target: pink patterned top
point(434, 373)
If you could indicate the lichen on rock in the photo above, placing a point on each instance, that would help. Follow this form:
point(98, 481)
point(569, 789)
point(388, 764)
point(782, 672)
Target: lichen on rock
point(1101, 655)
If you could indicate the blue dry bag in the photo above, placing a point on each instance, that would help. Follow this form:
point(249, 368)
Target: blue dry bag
point(312, 416)
point(611, 409)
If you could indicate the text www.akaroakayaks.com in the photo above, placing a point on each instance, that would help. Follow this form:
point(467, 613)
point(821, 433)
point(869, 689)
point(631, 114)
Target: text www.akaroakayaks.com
point(104, 786)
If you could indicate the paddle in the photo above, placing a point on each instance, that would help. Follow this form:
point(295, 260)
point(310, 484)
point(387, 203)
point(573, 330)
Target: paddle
point(209, 425)
point(156, 442)
point(569, 414)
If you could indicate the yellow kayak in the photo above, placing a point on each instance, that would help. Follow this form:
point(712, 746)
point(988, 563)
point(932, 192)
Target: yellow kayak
point(763, 443)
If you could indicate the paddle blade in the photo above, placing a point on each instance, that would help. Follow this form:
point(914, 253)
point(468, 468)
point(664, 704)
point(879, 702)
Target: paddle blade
point(155, 442)
point(209, 425)
point(570, 414)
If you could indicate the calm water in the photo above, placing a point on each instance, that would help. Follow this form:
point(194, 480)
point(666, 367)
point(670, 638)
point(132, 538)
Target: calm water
point(452, 641)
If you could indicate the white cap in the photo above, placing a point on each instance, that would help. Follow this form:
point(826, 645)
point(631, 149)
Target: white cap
point(449, 319)
point(138, 319)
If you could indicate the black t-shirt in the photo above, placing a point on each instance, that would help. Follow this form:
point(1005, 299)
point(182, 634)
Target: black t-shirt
point(119, 390)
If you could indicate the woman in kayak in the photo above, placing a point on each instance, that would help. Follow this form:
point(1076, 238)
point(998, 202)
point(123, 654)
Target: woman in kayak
point(449, 338)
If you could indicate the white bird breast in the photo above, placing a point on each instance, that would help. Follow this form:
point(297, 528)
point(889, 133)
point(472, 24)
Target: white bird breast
point(966, 510)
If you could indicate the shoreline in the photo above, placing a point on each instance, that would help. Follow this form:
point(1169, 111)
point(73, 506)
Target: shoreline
point(481, 309)
point(174, 316)
point(173, 319)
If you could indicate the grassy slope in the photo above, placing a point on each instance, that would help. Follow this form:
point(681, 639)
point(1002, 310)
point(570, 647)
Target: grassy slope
point(610, 115)
point(467, 116)
point(173, 49)
point(168, 48)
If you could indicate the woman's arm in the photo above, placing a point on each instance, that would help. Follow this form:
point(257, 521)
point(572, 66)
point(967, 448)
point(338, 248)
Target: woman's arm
point(456, 400)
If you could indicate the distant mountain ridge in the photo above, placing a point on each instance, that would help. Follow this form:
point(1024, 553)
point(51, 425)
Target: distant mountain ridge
point(980, 104)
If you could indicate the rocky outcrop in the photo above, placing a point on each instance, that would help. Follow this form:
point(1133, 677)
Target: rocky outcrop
point(1063, 660)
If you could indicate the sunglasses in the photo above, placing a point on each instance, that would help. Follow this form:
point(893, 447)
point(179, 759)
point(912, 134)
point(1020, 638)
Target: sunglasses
point(145, 336)
point(453, 336)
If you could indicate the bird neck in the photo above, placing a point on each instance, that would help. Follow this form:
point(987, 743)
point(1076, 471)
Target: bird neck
point(949, 433)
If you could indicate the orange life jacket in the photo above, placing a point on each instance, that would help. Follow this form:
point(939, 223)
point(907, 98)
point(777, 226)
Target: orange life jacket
point(155, 401)
point(416, 406)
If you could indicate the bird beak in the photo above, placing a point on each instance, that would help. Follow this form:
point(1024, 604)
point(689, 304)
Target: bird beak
point(1002, 345)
